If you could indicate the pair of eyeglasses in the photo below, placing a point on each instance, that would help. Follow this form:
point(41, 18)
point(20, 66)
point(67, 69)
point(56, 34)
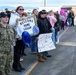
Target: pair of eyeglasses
point(21, 9)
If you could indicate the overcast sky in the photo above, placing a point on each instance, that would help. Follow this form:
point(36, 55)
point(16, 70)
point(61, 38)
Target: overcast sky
point(36, 3)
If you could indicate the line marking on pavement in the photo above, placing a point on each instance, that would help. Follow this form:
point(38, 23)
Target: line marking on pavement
point(63, 32)
point(34, 63)
point(30, 68)
point(67, 43)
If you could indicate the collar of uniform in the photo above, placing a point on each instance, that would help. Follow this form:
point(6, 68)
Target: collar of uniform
point(2, 26)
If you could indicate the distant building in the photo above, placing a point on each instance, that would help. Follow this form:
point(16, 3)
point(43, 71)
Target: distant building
point(69, 8)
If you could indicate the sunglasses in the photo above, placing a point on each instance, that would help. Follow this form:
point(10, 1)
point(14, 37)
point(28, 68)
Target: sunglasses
point(21, 9)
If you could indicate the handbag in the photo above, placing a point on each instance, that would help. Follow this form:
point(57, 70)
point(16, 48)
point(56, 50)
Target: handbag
point(57, 28)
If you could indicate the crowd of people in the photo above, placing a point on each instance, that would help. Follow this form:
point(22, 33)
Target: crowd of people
point(47, 22)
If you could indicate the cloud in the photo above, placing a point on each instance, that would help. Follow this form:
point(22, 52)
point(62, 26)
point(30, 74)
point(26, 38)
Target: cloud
point(73, 0)
point(60, 2)
point(20, 1)
point(36, 3)
point(27, 3)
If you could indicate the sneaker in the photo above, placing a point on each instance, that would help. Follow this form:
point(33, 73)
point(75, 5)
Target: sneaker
point(21, 59)
point(57, 42)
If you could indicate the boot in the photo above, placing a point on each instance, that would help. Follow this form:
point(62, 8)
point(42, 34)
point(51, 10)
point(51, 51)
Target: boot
point(44, 57)
point(41, 59)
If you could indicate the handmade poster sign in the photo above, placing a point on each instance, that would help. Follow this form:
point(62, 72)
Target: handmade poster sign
point(13, 18)
point(45, 42)
point(26, 24)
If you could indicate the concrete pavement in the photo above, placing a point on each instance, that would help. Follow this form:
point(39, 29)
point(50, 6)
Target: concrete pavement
point(62, 62)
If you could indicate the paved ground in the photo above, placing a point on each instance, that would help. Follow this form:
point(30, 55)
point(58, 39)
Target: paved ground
point(27, 63)
point(63, 60)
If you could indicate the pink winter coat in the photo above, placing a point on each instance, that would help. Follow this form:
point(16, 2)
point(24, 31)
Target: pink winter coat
point(52, 20)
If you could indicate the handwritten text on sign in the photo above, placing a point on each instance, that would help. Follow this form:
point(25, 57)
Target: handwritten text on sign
point(45, 42)
point(26, 24)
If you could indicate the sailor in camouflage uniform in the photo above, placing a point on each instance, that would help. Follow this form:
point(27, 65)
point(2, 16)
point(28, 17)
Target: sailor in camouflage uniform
point(6, 41)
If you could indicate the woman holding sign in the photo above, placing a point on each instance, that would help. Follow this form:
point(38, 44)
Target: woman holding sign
point(18, 45)
point(33, 43)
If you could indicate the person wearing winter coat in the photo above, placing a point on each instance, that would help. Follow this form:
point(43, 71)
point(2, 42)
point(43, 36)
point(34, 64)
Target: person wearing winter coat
point(44, 27)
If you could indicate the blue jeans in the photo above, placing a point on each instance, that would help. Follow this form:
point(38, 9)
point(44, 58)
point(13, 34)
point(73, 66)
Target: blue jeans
point(62, 25)
point(33, 44)
point(56, 36)
point(53, 35)
point(70, 21)
point(46, 53)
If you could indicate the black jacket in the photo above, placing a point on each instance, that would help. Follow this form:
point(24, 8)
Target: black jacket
point(44, 25)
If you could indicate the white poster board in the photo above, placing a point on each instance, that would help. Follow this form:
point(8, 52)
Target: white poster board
point(13, 18)
point(25, 24)
point(45, 42)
